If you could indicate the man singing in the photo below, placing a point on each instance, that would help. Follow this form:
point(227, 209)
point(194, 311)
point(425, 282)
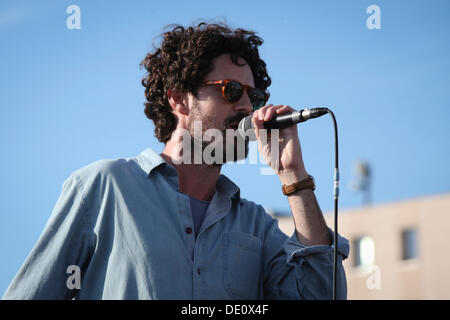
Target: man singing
point(154, 227)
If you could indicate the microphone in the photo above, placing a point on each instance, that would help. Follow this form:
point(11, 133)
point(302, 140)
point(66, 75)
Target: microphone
point(280, 121)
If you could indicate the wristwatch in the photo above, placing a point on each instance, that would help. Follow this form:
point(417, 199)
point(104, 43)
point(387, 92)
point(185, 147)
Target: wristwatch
point(308, 183)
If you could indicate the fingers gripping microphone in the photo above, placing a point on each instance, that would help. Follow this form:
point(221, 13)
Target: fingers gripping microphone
point(281, 121)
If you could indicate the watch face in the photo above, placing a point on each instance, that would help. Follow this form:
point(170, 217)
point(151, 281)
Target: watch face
point(290, 189)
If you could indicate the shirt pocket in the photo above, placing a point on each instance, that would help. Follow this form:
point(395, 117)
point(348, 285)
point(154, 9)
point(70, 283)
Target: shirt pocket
point(241, 264)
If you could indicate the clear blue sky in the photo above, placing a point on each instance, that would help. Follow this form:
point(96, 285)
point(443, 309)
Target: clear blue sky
point(71, 97)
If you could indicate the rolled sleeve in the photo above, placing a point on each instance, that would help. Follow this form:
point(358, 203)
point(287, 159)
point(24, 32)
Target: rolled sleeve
point(295, 271)
point(295, 248)
point(314, 265)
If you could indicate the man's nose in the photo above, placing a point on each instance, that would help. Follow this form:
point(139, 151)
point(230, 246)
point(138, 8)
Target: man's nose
point(244, 105)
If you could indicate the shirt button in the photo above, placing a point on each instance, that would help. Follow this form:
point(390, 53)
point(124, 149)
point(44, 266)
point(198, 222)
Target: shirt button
point(188, 230)
point(198, 270)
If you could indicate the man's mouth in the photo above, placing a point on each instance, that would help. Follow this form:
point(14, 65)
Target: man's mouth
point(233, 122)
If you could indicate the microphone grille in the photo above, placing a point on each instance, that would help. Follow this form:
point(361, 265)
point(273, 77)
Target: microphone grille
point(245, 129)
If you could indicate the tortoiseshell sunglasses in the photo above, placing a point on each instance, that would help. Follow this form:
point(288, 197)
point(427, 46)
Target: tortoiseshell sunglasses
point(232, 91)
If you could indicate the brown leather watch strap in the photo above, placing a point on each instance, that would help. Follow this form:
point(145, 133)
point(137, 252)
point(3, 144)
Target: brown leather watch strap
point(308, 183)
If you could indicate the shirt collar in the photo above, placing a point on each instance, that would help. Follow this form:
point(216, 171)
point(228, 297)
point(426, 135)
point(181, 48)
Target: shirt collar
point(148, 160)
point(225, 185)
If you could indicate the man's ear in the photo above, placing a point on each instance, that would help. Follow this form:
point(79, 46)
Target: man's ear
point(178, 101)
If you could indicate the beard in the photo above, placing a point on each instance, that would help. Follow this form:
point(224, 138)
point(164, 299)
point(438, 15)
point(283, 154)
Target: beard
point(230, 145)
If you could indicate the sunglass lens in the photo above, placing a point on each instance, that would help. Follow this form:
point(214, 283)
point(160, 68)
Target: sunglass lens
point(233, 91)
point(257, 98)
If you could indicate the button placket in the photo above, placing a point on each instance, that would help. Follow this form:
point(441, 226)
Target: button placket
point(198, 269)
point(185, 217)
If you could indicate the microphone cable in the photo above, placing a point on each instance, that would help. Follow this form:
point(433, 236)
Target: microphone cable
point(336, 196)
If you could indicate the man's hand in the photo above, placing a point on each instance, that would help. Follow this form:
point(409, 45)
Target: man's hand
point(289, 164)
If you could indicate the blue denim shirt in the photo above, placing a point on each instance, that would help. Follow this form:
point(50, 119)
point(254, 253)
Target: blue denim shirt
point(128, 228)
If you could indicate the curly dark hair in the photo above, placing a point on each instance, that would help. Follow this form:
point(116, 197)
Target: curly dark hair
point(185, 58)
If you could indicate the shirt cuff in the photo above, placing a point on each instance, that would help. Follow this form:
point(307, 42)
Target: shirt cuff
point(295, 249)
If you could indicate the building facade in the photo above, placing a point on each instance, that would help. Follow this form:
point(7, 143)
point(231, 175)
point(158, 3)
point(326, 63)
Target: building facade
point(397, 251)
